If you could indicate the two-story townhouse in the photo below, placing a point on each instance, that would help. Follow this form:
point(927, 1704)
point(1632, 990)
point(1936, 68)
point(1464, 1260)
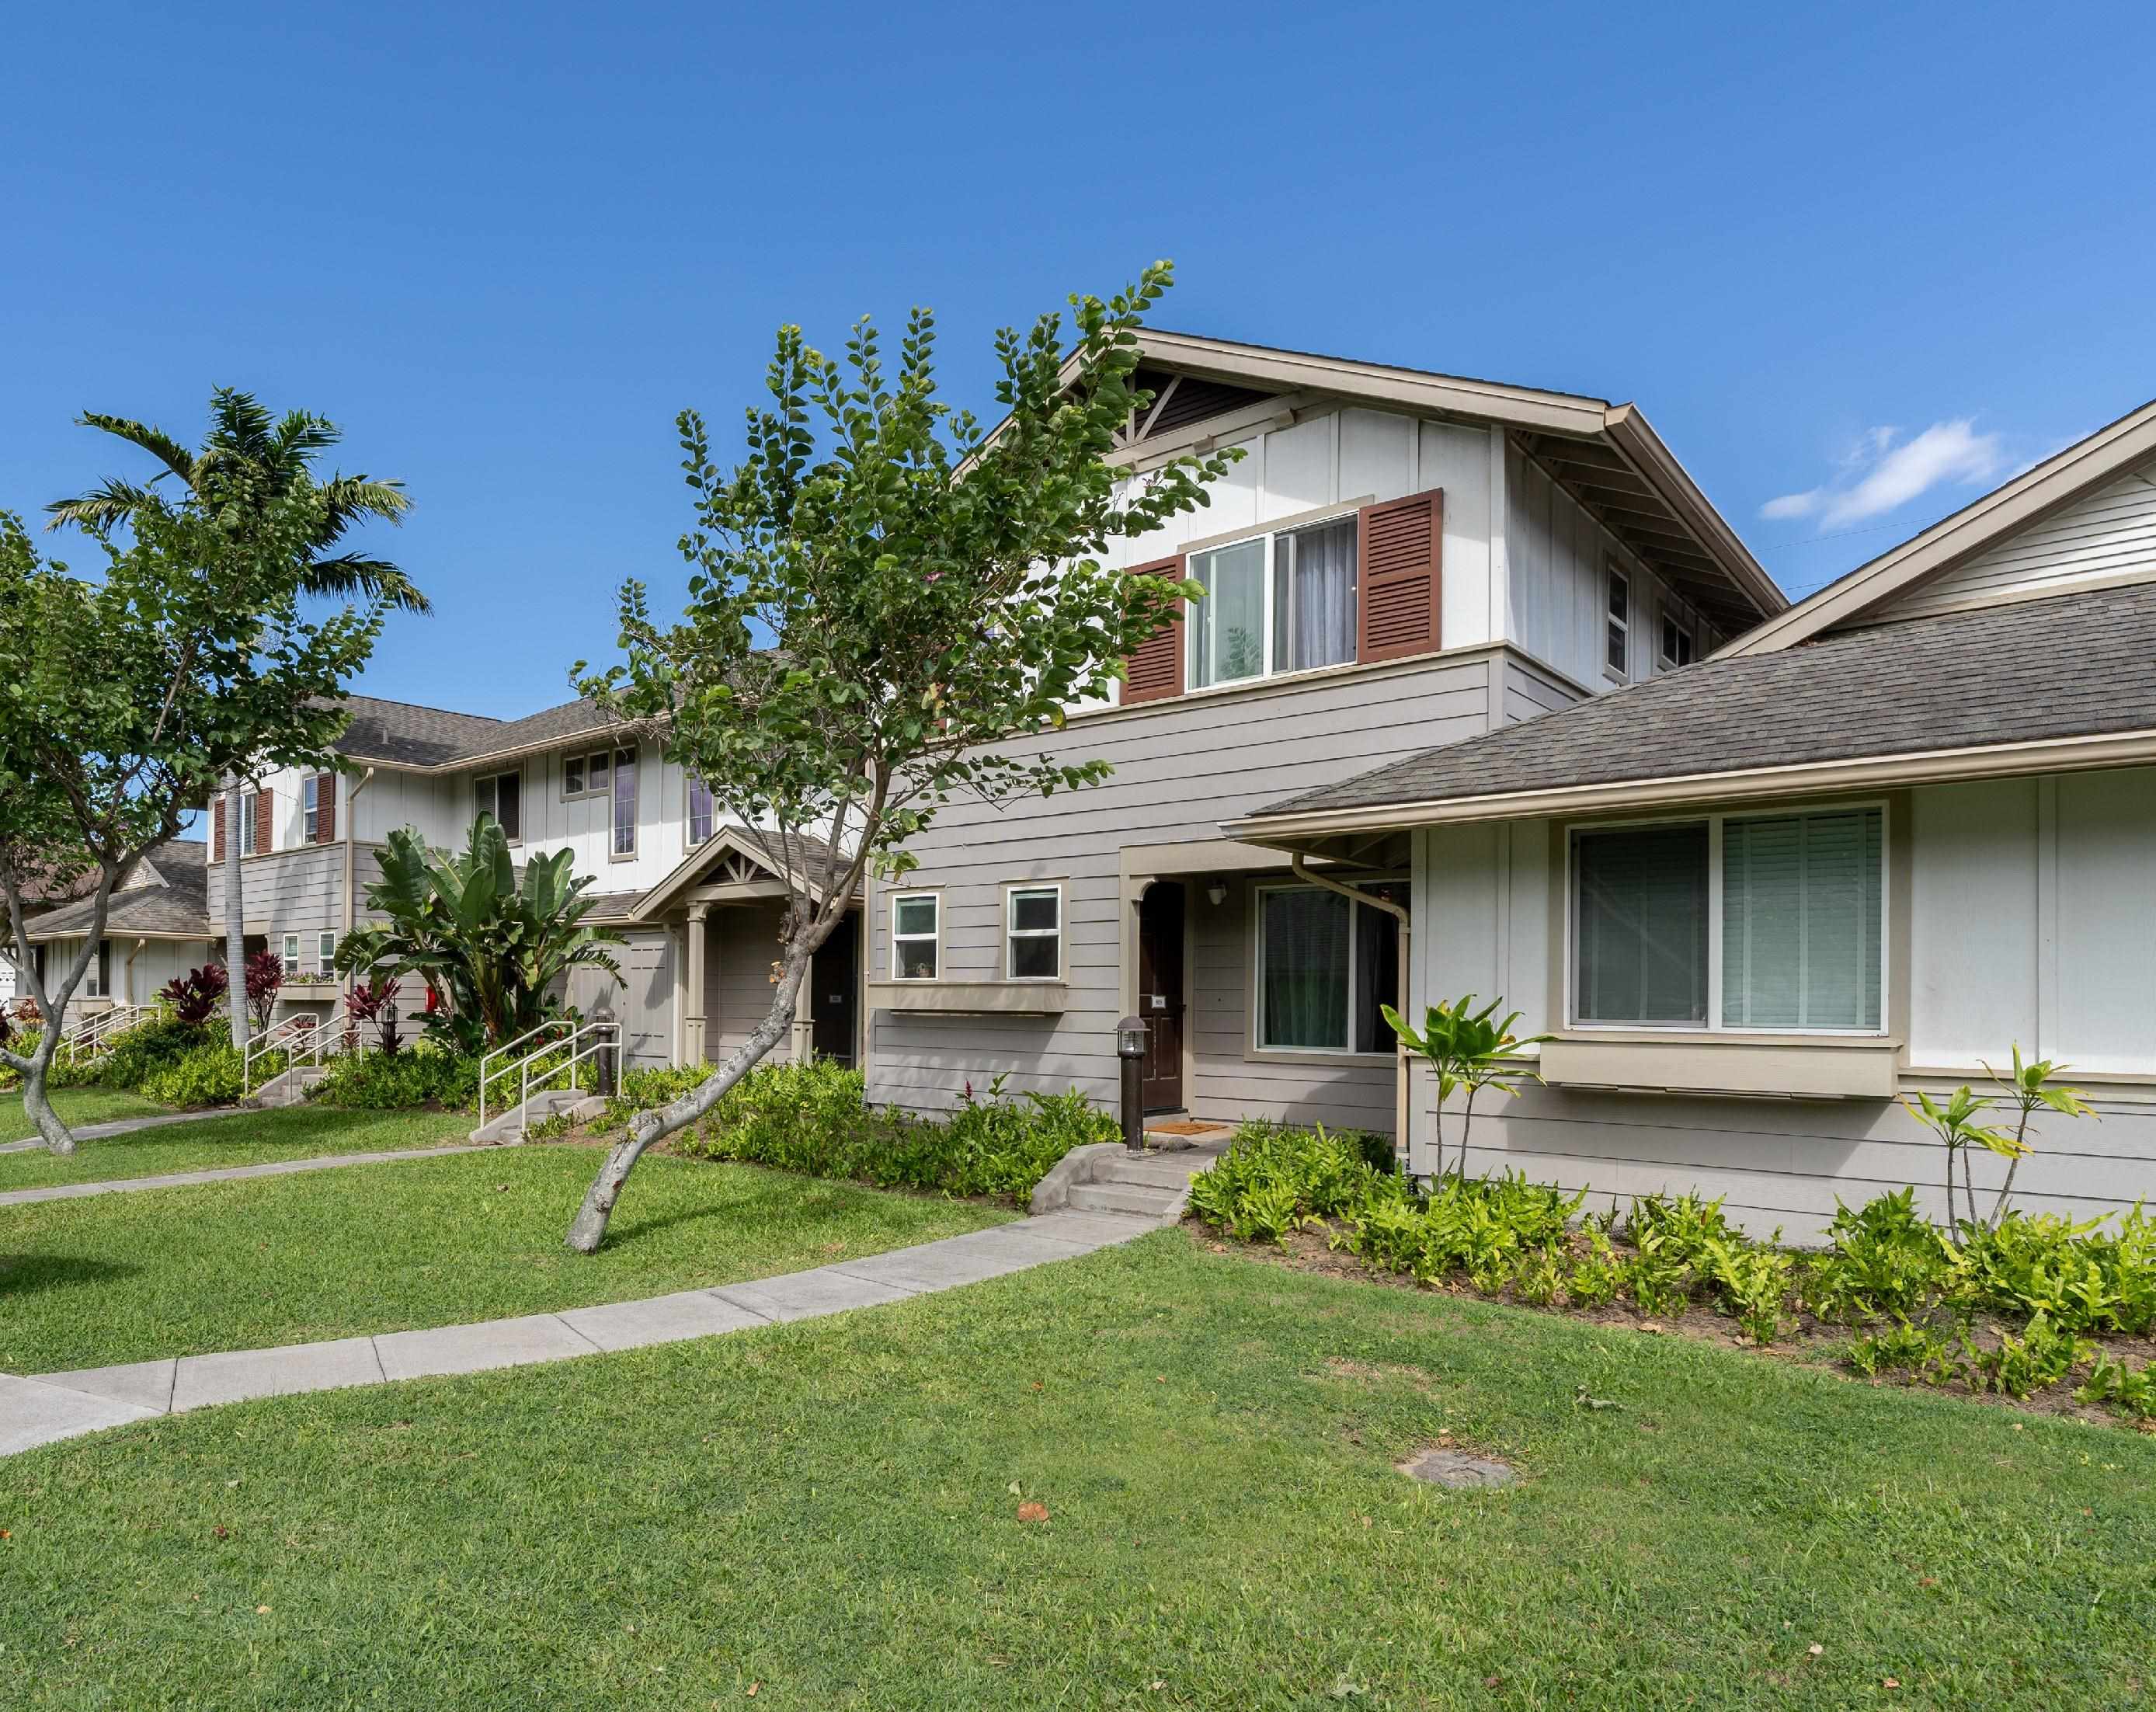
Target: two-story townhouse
point(1399, 560)
point(1878, 842)
point(695, 902)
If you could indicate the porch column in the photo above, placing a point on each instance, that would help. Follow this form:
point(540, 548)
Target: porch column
point(801, 1038)
point(692, 1003)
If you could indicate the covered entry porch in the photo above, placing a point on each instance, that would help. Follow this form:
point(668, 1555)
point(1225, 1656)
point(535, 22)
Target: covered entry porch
point(1261, 986)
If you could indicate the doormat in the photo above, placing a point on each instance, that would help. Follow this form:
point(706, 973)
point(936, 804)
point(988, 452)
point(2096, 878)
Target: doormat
point(1182, 1126)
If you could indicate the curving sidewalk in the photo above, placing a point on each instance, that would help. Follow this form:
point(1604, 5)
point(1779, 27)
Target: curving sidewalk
point(48, 1406)
point(232, 1173)
point(128, 1126)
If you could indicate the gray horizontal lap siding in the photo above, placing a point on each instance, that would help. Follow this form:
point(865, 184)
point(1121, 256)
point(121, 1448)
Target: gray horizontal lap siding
point(1181, 767)
point(1785, 1163)
point(292, 890)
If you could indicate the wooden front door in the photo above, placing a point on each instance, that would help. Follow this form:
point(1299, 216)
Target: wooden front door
point(834, 991)
point(1160, 993)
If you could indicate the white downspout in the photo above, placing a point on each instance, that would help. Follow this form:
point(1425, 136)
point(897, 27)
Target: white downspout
point(350, 857)
point(140, 945)
point(1398, 913)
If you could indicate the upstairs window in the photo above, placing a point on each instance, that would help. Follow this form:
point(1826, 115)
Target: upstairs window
point(310, 809)
point(325, 952)
point(291, 957)
point(250, 822)
point(1676, 642)
point(915, 936)
point(701, 815)
point(1617, 645)
point(572, 775)
point(623, 845)
point(587, 776)
point(502, 795)
point(1278, 603)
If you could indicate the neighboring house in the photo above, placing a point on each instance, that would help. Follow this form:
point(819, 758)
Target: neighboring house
point(1399, 560)
point(1876, 841)
point(695, 899)
point(155, 928)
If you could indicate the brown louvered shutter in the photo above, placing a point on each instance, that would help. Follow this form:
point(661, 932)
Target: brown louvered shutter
point(1397, 599)
point(1154, 671)
point(326, 808)
point(265, 821)
point(217, 828)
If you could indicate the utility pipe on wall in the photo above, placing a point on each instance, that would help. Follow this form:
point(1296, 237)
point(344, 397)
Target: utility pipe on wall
point(350, 838)
point(140, 946)
point(1398, 913)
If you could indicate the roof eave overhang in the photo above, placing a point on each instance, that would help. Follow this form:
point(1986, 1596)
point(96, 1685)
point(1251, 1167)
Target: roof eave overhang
point(2078, 754)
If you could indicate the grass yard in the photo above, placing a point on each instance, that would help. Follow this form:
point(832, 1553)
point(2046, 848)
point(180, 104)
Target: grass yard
point(826, 1513)
point(384, 1247)
point(76, 1106)
point(233, 1138)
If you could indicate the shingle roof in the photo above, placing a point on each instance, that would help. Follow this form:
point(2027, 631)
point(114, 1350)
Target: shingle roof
point(2078, 665)
point(405, 734)
point(168, 898)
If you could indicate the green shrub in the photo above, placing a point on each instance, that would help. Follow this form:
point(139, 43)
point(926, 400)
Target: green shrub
point(2078, 1278)
point(814, 1119)
point(424, 1075)
point(1905, 1346)
point(641, 1089)
point(209, 1075)
point(2131, 1390)
point(2042, 1356)
point(145, 1050)
point(1883, 1258)
point(1681, 1227)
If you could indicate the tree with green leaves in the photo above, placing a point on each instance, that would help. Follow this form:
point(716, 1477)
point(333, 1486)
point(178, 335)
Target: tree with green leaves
point(1466, 1049)
point(883, 593)
point(492, 947)
point(125, 697)
point(2031, 1086)
point(250, 464)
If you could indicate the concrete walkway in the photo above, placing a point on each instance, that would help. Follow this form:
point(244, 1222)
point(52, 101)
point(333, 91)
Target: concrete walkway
point(128, 1126)
point(50, 1407)
point(230, 1174)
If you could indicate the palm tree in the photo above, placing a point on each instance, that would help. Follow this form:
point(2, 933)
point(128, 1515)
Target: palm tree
point(249, 462)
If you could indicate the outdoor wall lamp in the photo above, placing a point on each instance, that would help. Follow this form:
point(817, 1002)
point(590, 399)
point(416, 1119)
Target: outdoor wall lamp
point(1216, 894)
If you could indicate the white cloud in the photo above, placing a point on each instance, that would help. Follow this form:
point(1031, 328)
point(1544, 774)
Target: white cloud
point(1879, 474)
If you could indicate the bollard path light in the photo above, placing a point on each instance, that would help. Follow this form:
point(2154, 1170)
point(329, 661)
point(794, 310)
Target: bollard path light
point(1131, 1048)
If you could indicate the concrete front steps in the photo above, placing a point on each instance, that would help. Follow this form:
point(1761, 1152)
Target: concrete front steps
point(1108, 1178)
point(507, 1130)
point(287, 1088)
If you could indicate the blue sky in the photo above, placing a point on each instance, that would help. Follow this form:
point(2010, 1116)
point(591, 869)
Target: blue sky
point(1855, 266)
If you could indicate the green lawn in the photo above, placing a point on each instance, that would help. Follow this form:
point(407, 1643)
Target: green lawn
point(378, 1248)
point(824, 1510)
point(235, 1139)
point(76, 1106)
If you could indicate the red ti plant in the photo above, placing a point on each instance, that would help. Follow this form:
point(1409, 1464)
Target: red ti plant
point(265, 975)
point(376, 1002)
point(194, 996)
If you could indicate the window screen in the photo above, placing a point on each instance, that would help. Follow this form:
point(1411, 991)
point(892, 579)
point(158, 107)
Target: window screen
point(1642, 907)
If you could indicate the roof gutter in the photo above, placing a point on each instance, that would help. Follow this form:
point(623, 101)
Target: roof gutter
point(2076, 754)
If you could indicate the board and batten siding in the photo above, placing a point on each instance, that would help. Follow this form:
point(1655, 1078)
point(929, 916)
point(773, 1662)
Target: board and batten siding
point(2033, 918)
point(1181, 767)
point(2106, 537)
point(1345, 456)
point(741, 946)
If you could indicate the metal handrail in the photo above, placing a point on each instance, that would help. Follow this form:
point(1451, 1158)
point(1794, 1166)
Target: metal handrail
point(278, 1038)
point(585, 1041)
point(96, 1033)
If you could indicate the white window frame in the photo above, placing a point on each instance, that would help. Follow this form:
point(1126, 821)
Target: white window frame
point(1714, 821)
point(1012, 892)
point(95, 985)
point(326, 942)
point(585, 773)
point(250, 813)
point(1616, 629)
point(1351, 1050)
point(897, 937)
point(310, 807)
point(1270, 537)
point(1674, 624)
point(689, 838)
point(495, 778)
point(635, 758)
point(289, 959)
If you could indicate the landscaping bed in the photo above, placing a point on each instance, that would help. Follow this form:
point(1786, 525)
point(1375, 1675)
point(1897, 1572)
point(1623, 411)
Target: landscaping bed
point(2049, 1314)
point(833, 1512)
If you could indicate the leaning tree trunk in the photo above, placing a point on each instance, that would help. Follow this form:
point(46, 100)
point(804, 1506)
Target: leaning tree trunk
point(235, 918)
point(56, 1136)
point(589, 1228)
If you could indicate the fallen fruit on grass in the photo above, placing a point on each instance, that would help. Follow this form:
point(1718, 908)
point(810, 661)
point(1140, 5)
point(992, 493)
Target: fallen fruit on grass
point(1029, 1511)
